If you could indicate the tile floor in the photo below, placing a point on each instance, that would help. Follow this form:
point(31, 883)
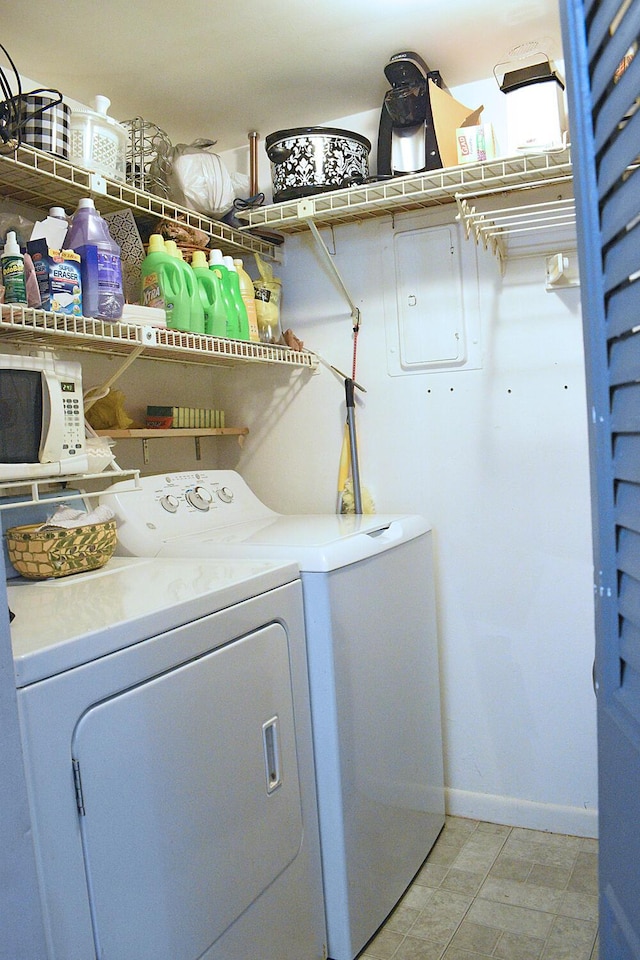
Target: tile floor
point(488, 891)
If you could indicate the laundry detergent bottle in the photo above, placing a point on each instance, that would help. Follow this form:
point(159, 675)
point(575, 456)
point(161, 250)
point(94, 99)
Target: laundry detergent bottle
point(248, 298)
point(100, 266)
point(196, 306)
point(191, 318)
point(59, 213)
point(217, 266)
point(236, 297)
point(215, 315)
point(161, 281)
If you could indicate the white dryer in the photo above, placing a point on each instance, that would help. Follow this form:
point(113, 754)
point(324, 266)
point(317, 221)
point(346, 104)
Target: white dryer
point(373, 672)
point(167, 740)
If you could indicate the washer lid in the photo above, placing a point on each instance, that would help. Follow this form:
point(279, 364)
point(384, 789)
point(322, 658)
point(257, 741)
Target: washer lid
point(61, 624)
point(315, 542)
point(214, 513)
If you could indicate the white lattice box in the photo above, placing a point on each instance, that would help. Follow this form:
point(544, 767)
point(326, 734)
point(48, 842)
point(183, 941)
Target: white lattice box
point(123, 229)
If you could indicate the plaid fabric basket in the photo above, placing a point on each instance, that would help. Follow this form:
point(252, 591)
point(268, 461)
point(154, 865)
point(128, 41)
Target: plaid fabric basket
point(45, 124)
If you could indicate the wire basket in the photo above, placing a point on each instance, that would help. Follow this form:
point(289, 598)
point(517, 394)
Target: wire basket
point(147, 153)
point(38, 553)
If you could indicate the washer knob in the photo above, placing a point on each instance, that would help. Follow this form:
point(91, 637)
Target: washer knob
point(170, 503)
point(200, 498)
point(225, 494)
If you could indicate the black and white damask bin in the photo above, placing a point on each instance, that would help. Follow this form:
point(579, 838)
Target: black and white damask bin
point(310, 160)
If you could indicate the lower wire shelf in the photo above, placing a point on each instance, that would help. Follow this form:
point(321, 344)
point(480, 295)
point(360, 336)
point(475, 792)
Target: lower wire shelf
point(24, 493)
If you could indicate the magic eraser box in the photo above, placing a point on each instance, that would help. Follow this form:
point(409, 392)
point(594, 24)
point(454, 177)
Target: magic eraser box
point(58, 276)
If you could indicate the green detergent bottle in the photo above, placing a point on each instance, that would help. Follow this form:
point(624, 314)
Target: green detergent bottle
point(236, 296)
point(215, 315)
point(161, 284)
point(195, 321)
point(196, 306)
point(217, 265)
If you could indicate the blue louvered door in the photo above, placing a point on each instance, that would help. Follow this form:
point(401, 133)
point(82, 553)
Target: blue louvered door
point(603, 83)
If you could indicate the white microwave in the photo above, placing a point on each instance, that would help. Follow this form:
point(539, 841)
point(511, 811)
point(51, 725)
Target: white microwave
point(41, 418)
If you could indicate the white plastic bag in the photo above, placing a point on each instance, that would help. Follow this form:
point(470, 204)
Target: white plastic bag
point(199, 180)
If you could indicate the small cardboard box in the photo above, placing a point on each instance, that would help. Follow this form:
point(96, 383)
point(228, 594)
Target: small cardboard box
point(476, 143)
point(160, 418)
point(59, 278)
point(448, 115)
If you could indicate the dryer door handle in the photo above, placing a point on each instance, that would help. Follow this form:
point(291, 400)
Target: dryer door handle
point(272, 761)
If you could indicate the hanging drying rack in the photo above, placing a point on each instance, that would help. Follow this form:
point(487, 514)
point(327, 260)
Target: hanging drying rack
point(493, 228)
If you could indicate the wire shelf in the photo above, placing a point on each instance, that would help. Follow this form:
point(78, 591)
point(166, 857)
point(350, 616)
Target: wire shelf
point(40, 179)
point(413, 192)
point(60, 489)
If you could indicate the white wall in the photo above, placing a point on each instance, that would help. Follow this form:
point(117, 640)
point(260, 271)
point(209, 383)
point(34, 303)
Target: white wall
point(496, 458)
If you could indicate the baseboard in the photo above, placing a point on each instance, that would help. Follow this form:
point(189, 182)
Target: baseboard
point(513, 812)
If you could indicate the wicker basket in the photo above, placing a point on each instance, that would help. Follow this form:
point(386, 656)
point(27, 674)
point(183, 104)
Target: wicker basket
point(39, 554)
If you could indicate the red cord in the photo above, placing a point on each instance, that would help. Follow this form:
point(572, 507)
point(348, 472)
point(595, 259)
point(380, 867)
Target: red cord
point(356, 331)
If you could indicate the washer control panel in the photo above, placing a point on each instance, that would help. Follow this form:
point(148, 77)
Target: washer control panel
point(182, 504)
point(199, 494)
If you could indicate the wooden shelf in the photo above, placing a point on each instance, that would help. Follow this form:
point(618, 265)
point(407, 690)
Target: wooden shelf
point(174, 433)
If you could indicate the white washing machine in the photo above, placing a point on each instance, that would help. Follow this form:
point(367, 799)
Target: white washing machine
point(167, 739)
point(373, 671)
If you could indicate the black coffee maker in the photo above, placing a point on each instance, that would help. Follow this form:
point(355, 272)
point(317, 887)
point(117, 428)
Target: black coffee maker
point(406, 137)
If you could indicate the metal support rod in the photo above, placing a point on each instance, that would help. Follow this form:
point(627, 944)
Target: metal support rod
point(355, 311)
point(253, 163)
point(103, 390)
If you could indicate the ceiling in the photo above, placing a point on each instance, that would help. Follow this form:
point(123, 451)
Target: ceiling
point(221, 68)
